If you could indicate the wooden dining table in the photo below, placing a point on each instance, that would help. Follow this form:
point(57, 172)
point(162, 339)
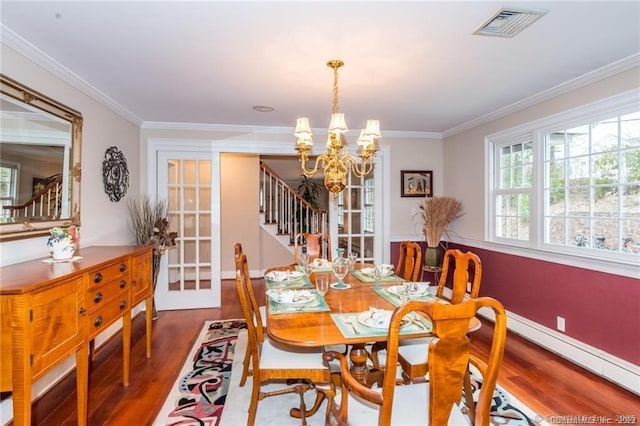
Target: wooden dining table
point(318, 329)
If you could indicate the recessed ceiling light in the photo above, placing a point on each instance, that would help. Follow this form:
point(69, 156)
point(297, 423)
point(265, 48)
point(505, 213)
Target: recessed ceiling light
point(262, 108)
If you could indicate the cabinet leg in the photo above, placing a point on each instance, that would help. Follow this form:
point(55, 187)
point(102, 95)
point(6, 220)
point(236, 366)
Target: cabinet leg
point(149, 323)
point(126, 347)
point(82, 384)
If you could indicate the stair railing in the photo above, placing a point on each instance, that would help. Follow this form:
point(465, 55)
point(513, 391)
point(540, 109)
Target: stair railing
point(284, 207)
point(44, 203)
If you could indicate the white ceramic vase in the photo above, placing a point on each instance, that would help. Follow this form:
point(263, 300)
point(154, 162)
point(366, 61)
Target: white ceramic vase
point(61, 249)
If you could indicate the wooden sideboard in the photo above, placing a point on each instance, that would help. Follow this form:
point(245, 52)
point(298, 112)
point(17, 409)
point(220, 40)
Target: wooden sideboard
point(50, 311)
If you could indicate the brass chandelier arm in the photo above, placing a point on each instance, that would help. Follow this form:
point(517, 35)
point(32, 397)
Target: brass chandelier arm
point(304, 156)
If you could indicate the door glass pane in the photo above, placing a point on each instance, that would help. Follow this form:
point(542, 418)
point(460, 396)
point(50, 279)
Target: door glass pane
point(205, 173)
point(189, 172)
point(190, 199)
point(189, 229)
point(190, 252)
point(205, 199)
point(173, 171)
point(205, 225)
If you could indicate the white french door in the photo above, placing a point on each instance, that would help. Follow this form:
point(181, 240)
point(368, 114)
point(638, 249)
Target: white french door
point(358, 219)
point(189, 273)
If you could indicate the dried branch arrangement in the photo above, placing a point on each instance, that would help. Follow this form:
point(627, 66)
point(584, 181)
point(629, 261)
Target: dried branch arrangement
point(437, 213)
point(149, 223)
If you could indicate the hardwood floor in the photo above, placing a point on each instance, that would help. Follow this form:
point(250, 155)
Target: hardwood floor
point(548, 384)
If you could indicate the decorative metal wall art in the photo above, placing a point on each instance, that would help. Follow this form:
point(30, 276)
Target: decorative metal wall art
point(115, 174)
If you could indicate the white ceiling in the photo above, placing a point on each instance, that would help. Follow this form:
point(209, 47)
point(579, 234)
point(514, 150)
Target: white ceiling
point(414, 65)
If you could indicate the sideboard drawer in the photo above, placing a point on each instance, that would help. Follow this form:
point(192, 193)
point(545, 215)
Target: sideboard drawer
point(108, 273)
point(98, 295)
point(106, 315)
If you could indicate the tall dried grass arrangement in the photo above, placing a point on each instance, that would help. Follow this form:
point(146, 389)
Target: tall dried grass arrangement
point(437, 213)
point(144, 215)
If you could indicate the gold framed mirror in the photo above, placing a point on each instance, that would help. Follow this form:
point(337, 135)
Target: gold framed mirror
point(40, 169)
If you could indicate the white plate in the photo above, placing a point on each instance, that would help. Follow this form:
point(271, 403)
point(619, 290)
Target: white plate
point(422, 290)
point(292, 297)
point(378, 321)
point(284, 276)
point(370, 271)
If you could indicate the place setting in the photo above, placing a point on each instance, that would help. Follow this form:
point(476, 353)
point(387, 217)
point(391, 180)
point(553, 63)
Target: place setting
point(375, 322)
point(382, 272)
point(397, 294)
point(287, 279)
point(286, 301)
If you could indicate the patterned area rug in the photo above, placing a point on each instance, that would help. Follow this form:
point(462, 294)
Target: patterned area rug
point(199, 394)
point(207, 384)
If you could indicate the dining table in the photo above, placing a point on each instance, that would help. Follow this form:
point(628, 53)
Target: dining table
point(342, 317)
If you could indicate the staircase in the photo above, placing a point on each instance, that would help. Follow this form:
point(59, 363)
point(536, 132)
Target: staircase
point(285, 213)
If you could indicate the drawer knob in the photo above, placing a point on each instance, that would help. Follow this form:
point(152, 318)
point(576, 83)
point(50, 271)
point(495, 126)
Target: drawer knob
point(97, 277)
point(98, 321)
point(123, 267)
point(123, 304)
point(98, 297)
point(82, 311)
point(123, 283)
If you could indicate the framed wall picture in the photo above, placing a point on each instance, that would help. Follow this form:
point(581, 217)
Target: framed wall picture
point(416, 183)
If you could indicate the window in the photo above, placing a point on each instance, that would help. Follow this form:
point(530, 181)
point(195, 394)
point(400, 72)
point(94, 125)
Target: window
point(8, 187)
point(570, 183)
point(513, 192)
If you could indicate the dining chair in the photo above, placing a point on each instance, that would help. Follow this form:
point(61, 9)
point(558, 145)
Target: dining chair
point(457, 267)
point(318, 246)
point(438, 401)
point(272, 361)
point(260, 316)
point(409, 263)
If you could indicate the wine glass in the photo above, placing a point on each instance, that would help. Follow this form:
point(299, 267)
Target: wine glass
point(353, 256)
point(340, 270)
point(322, 284)
point(303, 260)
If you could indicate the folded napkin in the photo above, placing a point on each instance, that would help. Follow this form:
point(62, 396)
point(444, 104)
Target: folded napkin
point(379, 317)
point(414, 290)
point(385, 270)
point(284, 275)
point(320, 263)
point(292, 297)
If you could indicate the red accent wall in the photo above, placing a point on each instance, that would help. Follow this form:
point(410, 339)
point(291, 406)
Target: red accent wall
point(600, 309)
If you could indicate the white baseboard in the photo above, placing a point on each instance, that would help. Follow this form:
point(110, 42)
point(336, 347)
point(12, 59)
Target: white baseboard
point(617, 370)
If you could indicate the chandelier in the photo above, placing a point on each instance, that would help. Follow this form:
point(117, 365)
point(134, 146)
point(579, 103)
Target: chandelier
point(336, 160)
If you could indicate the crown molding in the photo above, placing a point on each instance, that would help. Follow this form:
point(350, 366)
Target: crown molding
point(231, 128)
point(37, 56)
point(610, 70)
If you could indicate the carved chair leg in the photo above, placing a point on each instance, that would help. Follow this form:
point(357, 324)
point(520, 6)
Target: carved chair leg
point(468, 395)
point(245, 367)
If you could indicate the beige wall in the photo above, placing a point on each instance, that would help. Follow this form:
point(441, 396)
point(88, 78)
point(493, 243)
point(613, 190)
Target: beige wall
point(240, 218)
point(464, 153)
point(103, 222)
point(412, 154)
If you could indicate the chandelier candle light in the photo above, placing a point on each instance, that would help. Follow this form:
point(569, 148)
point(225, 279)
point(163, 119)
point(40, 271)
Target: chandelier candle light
point(335, 160)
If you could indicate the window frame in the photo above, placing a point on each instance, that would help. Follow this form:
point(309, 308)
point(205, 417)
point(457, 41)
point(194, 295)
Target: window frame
point(617, 105)
point(15, 184)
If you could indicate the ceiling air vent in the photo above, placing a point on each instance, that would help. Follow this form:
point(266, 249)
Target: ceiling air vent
point(508, 22)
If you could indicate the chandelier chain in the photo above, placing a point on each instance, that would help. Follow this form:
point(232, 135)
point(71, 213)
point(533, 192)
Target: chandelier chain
point(334, 108)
